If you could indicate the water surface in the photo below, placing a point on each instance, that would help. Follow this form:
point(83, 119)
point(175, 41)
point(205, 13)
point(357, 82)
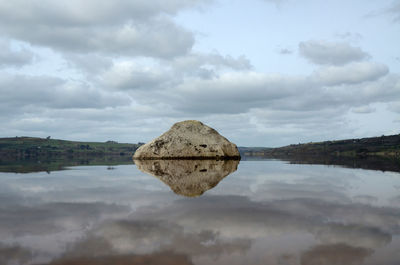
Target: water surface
point(265, 212)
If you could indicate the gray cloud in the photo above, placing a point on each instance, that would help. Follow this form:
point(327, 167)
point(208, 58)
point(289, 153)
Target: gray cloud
point(363, 109)
point(91, 64)
point(350, 36)
point(331, 53)
point(285, 51)
point(9, 57)
point(129, 76)
point(194, 62)
point(76, 13)
point(42, 91)
point(353, 73)
point(394, 10)
point(166, 81)
point(176, 90)
point(240, 92)
point(124, 27)
point(166, 75)
point(395, 106)
point(276, 2)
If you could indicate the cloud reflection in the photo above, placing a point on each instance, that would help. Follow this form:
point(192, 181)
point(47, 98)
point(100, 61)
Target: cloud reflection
point(338, 254)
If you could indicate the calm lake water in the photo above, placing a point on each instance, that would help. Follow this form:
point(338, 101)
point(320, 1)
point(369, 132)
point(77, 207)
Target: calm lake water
point(265, 212)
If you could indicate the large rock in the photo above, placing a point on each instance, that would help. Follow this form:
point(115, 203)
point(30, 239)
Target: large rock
point(186, 177)
point(188, 140)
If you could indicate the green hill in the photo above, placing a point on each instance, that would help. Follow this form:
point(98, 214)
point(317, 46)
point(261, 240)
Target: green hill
point(32, 147)
point(388, 146)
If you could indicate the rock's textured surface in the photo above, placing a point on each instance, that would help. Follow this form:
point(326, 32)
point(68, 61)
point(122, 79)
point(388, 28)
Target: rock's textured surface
point(189, 178)
point(188, 139)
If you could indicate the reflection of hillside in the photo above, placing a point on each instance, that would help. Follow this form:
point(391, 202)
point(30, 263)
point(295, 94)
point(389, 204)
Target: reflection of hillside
point(36, 165)
point(368, 162)
point(189, 177)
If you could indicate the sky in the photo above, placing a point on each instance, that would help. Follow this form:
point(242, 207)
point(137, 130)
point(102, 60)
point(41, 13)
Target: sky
point(261, 72)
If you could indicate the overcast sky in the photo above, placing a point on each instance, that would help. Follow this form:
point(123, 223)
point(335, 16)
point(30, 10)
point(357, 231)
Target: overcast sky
point(261, 72)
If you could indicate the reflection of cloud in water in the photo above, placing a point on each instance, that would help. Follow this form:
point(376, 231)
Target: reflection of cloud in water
point(144, 237)
point(189, 177)
point(308, 188)
point(395, 201)
point(18, 220)
point(366, 199)
point(234, 216)
point(220, 226)
point(352, 234)
point(14, 255)
point(165, 258)
point(284, 220)
point(337, 254)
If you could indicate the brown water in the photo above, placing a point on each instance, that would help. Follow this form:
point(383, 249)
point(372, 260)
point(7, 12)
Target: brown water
point(265, 212)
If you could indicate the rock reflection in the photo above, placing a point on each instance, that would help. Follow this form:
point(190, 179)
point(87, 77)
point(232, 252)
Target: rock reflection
point(189, 178)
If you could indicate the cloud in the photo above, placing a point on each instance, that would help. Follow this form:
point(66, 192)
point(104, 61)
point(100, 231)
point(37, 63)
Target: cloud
point(285, 51)
point(276, 2)
point(363, 109)
point(138, 28)
point(353, 73)
point(195, 86)
point(192, 62)
point(165, 75)
point(331, 53)
point(51, 92)
point(141, 61)
point(14, 58)
point(76, 13)
point(91, 64)
point(129, 76)
point(350, 36)
point(395, 106)
point(394, 10)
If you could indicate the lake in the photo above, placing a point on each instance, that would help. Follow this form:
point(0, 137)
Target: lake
point(202, 212)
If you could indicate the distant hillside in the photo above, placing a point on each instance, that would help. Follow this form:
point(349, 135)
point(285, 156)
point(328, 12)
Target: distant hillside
point(388, 146)
point(32, 147)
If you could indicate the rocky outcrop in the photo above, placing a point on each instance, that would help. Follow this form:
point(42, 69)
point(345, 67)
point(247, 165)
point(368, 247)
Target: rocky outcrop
point(189, 178)
point(188, 140)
